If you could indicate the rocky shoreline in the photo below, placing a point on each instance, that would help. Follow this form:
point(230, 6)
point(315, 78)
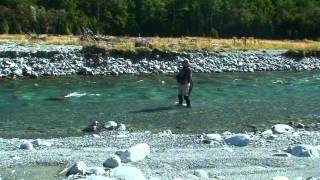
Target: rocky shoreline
point(55, 60)
point(280, 151)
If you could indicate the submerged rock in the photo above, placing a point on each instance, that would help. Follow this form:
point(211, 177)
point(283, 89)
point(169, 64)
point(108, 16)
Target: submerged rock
point(135, 153)
point(56, 98)
point(238, 139)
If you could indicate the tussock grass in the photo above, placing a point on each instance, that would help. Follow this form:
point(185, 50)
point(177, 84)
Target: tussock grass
point(168, 44)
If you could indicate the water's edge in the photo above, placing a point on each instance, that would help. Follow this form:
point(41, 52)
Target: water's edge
point(56, 60)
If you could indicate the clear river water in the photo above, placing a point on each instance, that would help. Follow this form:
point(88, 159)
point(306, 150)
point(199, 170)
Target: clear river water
point(220, 102)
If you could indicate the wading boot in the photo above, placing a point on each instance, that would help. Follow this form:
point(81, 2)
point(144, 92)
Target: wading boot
point(180, 100)
point(188, 101)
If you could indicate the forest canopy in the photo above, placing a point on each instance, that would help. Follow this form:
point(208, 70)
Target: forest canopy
point(276, 19)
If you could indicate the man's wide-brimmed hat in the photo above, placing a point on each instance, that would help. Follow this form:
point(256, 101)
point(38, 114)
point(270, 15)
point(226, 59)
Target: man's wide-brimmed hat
point(185, 61)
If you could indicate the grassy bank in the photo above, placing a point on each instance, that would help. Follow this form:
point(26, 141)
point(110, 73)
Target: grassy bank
point(171, 44)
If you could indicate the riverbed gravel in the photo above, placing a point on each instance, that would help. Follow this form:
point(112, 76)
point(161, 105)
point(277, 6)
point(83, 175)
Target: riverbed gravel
point(176, 155)
point(57, 60)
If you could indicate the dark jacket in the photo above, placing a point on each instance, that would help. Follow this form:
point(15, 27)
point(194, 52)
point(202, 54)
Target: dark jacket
point(184, 76)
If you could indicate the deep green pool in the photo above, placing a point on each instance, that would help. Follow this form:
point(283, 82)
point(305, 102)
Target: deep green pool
point(226, 101)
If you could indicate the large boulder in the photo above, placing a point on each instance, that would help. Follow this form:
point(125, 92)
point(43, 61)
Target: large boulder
point(112, 162)
point(127, 173)
point(238, 139)
point(135, 153)
point(305, 151)
point(281, 129)
point(79, 168)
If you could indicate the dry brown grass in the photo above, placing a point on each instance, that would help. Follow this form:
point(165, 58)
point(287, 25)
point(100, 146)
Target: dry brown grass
point(175, 44)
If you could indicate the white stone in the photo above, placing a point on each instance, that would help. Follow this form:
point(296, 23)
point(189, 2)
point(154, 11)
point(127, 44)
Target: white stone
point(166, 133)
point(305, 151)
point(95, 177)
point(267, 132)
point(110, 125)
point(192, 177)
point(77, 168)
point(127, 173)
point(154, 178)
point(238, 140)
point(40, 142)
point(299, 178)
point(272, 137)
point(112, 162)
point(95, 135)
point(282, 128)
point(121, 127)
point(201, 174)
point(213, 137)
point(280, 178)
point(96, 170)
point(228, 149)
point(26, 146)
point(226, 133)
point(135, 153)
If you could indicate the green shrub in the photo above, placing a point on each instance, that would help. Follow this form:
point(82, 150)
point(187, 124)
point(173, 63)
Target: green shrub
point(4, 27)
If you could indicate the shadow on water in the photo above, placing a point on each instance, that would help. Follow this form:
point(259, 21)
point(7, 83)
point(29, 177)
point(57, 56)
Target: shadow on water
point(151, 110)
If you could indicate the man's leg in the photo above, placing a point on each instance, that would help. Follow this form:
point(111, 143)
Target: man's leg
point(187, 100)
point(180, 99)
point(186, 94)
point(180, 94)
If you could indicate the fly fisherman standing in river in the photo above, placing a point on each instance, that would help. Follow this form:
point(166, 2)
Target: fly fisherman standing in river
point(184, 81)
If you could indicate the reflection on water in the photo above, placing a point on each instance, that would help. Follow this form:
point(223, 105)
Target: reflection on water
point(219, 102)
